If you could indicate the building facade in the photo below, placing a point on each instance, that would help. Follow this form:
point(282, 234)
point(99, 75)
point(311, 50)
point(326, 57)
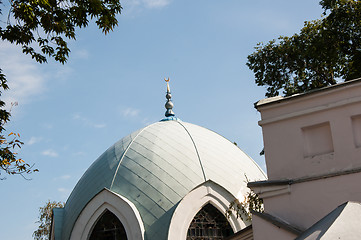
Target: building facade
point(312, 145)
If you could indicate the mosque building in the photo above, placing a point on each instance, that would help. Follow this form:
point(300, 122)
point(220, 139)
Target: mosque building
point(170, 180)
point(174, 180)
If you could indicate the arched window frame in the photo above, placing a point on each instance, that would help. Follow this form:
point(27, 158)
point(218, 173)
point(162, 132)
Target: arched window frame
point(209, 222)
point(109, 214)
point(193, 202)
point(121, 207)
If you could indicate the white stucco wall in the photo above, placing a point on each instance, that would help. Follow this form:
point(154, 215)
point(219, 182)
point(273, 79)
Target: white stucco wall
point(310, 201)
point(267, 231)
point(296, 129)
point(314, 140)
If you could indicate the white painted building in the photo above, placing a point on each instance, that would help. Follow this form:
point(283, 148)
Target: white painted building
point(312, 145)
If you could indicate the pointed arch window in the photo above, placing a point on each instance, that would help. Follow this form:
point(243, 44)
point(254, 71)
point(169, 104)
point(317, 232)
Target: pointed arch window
point(209, 224)
point(108, 227)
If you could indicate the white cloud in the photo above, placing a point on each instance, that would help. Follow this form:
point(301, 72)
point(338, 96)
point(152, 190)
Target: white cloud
point(80, 153)
point(25, 79)
point(88, 122)
point(136, 6)
point(99, 125)
point(130, 112)
point(147, 121)
point(64, 192)
point(64, 177)
point(50, 153)
point(61, 73)
point(76, 116)
point(34, 140)
point(156, 3)
point(81, 54)
point(47, 125)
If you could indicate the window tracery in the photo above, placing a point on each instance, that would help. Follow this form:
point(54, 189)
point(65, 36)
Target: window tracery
point(108, 227)
point(209, 224)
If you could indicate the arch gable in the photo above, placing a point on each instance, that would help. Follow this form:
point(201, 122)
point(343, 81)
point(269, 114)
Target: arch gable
point(193, 202)
point(121, 207)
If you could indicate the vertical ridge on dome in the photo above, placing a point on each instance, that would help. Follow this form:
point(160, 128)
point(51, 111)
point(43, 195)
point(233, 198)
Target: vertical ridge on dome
point(195, 147)
point(124, 153)
point(209, 145)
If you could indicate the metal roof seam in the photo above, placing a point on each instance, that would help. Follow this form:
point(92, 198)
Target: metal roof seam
point(155, 153)
point(150, 186)
point(145, 194)
point(161, 169)
point(195, 147)
point(124, 153)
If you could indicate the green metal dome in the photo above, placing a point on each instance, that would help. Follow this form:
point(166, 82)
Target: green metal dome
point(155, 167)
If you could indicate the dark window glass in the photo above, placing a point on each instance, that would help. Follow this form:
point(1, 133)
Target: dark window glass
point(209, 224)
point(108, 227)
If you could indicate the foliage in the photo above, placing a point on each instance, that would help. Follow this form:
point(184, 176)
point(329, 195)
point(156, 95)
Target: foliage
point(243, 209)
point(48, 22)
point(42, 28)
point(8, 160)
point(325, 50)
point(45, 216)
point(251, 202)
point(9, 163)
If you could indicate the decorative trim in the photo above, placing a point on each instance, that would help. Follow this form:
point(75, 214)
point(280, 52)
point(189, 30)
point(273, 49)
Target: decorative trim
point(208, 192)
point(271, 191)
point(121, 207)
point(269, 183)
point(310, 110)
point(279, 99)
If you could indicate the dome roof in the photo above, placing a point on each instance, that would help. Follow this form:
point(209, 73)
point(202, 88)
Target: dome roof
point(155, 167)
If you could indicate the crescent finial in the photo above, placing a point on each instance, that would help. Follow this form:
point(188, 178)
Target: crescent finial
point(167, 80)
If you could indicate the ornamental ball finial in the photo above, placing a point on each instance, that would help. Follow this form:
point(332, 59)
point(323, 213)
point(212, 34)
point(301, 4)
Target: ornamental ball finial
point(169, 104)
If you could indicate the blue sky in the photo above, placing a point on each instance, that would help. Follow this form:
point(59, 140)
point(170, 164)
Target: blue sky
point(112, 85)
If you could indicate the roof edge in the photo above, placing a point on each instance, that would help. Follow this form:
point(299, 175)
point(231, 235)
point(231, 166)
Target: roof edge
point(278, 99)
point(278, 222)
point(300, 180)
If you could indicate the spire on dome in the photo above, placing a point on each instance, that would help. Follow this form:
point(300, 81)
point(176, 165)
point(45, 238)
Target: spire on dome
point(168, 105)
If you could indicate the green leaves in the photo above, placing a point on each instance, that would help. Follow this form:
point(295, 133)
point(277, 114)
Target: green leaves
point(9, 162)
point(322, 52)
point(45, 216)
point(52, 22)
point(243, 209)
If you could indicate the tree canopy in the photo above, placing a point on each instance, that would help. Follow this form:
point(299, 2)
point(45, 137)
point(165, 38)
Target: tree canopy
point(42, 29)
point(48, 23)
point(45, 216)
point(323, 52)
